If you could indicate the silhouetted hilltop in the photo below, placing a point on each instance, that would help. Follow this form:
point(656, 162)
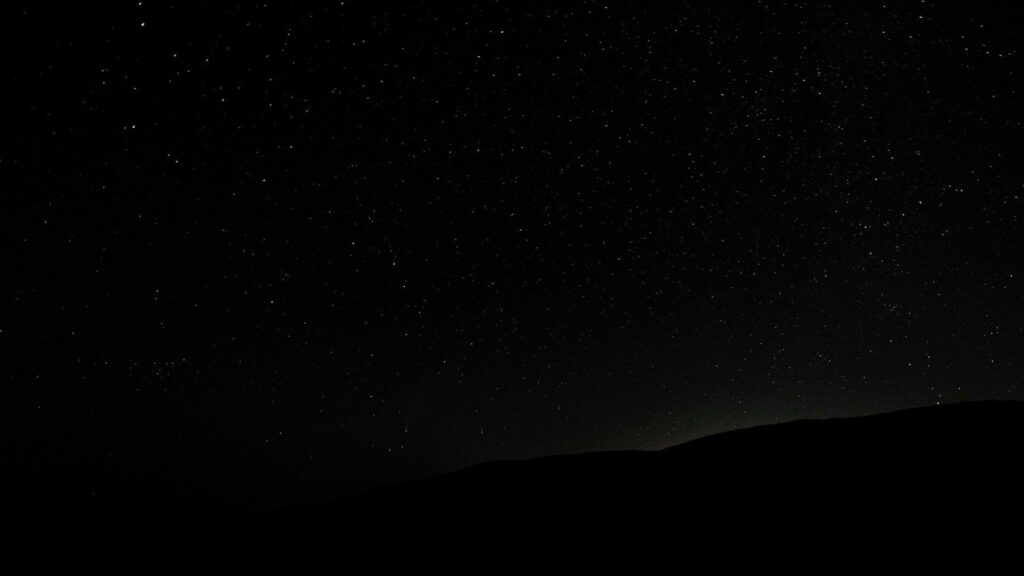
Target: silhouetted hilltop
point(955, 457)
point(938, 466)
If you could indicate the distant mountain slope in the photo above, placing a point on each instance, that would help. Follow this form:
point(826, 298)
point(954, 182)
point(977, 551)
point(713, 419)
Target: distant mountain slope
point(834, 490)
point(957, 457)
point(941, 467)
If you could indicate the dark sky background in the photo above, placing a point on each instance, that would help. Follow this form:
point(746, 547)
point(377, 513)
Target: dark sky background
point(283, 250)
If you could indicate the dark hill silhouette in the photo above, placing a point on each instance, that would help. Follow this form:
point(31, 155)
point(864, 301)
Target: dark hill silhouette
point(963, 459)
point(935, 466)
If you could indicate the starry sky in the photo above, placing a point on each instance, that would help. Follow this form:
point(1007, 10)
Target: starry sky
point(286, 250)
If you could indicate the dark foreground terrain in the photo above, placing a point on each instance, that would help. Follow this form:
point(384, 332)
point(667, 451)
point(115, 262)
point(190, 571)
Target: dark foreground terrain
point(952, 465)
point(962, 458)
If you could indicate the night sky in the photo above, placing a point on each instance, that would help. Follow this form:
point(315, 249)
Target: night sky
point(289, 250)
